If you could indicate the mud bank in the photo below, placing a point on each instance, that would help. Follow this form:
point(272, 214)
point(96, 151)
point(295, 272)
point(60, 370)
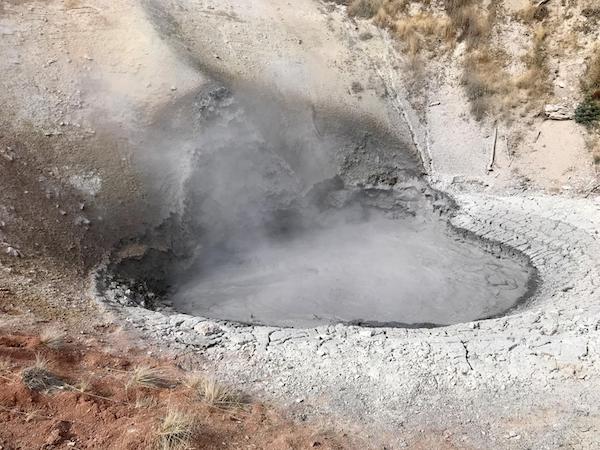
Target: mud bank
point(279, 217)
point(376, 371)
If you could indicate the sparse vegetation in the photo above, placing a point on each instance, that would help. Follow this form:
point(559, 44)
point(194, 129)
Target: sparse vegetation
point(428, 32)
point(145, 401)
point(364, 8)
point(486, 86)
point(5, 366)
point(83, 386)
point(418, 32)
point(213, 392)
point(148, 377)
point(52, 338)
point(176, 431)
point(39, 378)
point(591, 80)
point(588, 112)
point(533, 13)
point(536, 80)
point(470, 21)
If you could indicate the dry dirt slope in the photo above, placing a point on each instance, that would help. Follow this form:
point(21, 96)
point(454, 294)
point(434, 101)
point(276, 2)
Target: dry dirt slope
point(509, 74)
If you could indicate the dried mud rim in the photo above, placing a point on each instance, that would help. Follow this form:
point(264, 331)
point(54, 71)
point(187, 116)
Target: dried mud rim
point(140, 272)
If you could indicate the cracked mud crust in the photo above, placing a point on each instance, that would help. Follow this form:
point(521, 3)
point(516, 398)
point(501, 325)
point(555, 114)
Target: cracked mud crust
point(449, 378)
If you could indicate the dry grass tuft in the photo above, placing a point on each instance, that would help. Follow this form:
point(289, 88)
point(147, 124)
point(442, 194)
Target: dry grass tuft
point(364, 8)
point(38, 378)
point(213, 392)
point(591, 80)
point(84, 386)
point(472, 24)
point(5, 366)
point(420, 31)
point(486, 85)
point(176, 431)
point(52, 338)
point(533, 13)
point(148, 377)
point(536, 80)
point(425, 29)
point(145, 401)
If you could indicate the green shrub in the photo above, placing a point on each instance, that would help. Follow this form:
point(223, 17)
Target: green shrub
point(588, 112)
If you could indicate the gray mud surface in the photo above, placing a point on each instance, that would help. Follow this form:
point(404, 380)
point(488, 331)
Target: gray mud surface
point(370, 270)
point(293, 220)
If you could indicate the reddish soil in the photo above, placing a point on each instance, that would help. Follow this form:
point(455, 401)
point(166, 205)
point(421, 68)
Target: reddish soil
point(109, 415)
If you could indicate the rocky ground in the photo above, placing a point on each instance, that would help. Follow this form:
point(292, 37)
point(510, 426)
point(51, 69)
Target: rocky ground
point(83, 83)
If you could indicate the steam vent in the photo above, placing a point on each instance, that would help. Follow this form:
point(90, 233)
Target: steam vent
point(333, 224)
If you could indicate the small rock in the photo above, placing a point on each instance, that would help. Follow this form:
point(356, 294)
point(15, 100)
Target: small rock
point(207, 328)
point(11, 251)
point(59, 433)
point(81, 220)
point(357, 87)
point(557, 112)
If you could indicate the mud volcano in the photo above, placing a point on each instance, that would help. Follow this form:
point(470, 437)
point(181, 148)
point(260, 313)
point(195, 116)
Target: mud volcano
point(292, 218)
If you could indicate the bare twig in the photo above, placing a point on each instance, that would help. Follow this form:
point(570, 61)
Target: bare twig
point(25, 413)
point(493, 155)
point(591, 191)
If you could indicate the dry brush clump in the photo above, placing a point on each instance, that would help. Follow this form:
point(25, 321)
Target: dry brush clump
point(212, 392)
point(588, 111)
point(39, 378)
point(52, 338)
point(470, 20)
point(5, 366)
point(483, 83)
point(532, 13)
point(148, 377)
point(591, 78)
point(176, 431)
point(364, 8)
point(423, 32)
point(429, 29)
point(536, 79)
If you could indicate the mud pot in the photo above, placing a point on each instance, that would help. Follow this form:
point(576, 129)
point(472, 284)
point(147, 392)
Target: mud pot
point(297, 219)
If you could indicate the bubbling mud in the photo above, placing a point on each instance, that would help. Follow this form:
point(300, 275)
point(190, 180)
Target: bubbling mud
point(287, 216)
point(371, 269)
